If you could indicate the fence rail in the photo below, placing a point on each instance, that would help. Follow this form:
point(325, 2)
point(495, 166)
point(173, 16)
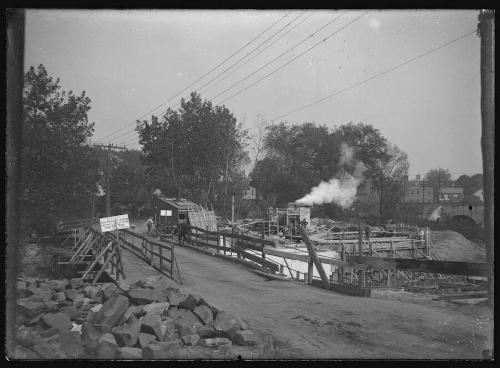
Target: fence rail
point(158, 255)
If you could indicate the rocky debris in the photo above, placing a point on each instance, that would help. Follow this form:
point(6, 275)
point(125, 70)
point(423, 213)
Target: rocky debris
point(129, 353)
point(161, 350)
point(204, 314)
point(144, 296)
point(151, 323)
point(217, 342)
point(145, 339)
point(226, 321)
point(59, 320)
point(190, 302)
point(69, 319)
point(157, 308)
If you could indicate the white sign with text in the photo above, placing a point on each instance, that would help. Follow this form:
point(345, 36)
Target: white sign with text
point(114, 223)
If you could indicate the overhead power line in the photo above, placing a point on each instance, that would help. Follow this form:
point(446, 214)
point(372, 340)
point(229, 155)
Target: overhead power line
point(400, 65)
point(204, 75)
point(264, 49)
point(281, 55)
point(292, 60)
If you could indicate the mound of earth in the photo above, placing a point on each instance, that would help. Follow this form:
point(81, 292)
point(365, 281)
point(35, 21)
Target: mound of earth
point(452, 246)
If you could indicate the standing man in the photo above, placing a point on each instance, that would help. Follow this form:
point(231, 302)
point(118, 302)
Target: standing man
point(149, 222)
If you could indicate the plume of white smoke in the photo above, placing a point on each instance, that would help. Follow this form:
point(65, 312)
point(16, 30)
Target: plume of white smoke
point(341, 190)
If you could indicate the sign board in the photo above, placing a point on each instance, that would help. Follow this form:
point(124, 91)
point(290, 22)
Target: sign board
point(114, 223)
point(165, 212)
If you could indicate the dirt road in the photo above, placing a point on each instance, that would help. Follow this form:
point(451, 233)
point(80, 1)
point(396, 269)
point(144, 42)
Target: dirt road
point(323, 324)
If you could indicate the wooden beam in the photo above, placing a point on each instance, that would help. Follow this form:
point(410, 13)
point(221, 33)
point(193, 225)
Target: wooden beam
point(312, 254)
point(421, 265)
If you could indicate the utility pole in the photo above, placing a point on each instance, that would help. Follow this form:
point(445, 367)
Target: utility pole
point(423, 198)
point(232, 209)
point(486, 31)
point(108, 148)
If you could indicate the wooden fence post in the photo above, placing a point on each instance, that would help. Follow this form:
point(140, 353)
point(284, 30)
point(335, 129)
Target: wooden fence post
point(150, 253)
point(310, 271)
point(224, 243)
point(413, 248)
point(160, 251)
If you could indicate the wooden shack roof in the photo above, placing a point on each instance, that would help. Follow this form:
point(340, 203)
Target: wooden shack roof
point(181, 203)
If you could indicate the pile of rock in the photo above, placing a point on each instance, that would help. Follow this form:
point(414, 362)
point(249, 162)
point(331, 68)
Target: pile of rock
point(151, 319)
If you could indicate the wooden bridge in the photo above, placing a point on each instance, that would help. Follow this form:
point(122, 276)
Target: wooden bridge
point(132, 256)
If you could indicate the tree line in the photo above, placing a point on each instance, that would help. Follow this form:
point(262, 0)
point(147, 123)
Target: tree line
point(198, 152)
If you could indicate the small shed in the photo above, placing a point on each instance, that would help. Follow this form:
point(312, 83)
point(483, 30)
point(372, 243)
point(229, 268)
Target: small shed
point(169, 212)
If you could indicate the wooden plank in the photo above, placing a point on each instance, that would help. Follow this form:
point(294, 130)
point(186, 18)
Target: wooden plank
point(259, 260)
point(422, 265)
point(312, 253)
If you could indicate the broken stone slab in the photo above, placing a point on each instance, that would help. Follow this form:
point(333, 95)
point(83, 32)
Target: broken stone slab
point(157, 308)
point(174, 296)
point(144, 296)
point(112, 311)
point(145, 339)
point(193, 339)
point(41, 294)
point(77, 328)
point(174, 313)
point(26, 336)
point(242, 337)
point(186, 324)
point(58, 285)
point(126, 335)
point(107, 351)
point(23, 353)
point(109, 289)
point(96, 308)
point(72, 312)
point(204, 313)
point(59, 320)
point(151, 323)
point(124, 285)
point(128, 353)
point(91, 335)
point(161, 350)
point(76, 283)
point(190, 301)
point(72, 294)
point(226, 321)
point(163, 283)
point(49, 333)
point(70, 344)
point(217, 342)
point(205, 331)
point(47, 350)
point(108, 338)
point(31, 309)
point(60, 296)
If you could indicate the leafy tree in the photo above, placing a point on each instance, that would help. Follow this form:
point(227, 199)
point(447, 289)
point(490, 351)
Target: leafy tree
point(438, 178)
point(471, 184)
point(56, 157)
point(195, 151)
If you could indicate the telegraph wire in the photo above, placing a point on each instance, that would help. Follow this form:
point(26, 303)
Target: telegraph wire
point(290, 61)
point(265, 48)
point(376, 75)
point(204, 75)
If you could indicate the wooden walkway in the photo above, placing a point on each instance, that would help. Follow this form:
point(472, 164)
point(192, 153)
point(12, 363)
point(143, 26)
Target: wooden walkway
point(135, 268)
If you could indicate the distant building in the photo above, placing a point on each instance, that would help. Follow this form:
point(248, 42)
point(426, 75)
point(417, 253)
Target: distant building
point(451, 194)
point(417, 191)
point(479, 194)
point(250, 193)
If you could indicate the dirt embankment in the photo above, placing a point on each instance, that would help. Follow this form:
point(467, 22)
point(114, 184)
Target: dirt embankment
point(452, 246)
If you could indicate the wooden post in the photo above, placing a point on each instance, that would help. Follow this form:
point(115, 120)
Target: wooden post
point(310, 271)
point(238, 253)
point(487, 33)
point(313, 259)
point(389, 275)
point(298, 275)
point(413, 248)
point(281, 268)
point(150, 253)
point(224, 243)
point(160, 251)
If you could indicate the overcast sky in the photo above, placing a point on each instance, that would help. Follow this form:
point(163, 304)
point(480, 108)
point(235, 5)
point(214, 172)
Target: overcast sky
point(130, 62)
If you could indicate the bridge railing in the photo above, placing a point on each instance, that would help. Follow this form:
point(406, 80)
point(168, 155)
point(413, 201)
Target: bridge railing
point(160, 256)
point(234, 242)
